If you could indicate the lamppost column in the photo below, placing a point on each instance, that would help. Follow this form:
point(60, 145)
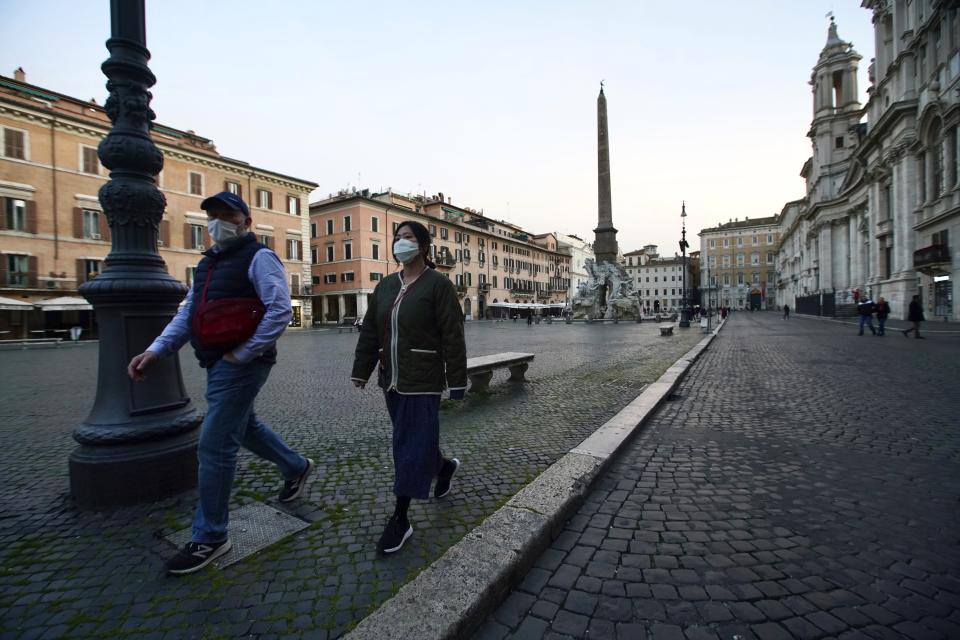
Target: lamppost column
point(139, 441)
point(684, 315)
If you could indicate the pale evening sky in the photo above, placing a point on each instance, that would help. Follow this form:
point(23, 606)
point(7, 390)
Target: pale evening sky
point(493, 103)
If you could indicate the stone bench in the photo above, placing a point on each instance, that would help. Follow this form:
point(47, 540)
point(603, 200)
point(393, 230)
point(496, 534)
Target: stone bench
point(26, 342)
point(666, 329)
point(480, 369)
point(348, 323)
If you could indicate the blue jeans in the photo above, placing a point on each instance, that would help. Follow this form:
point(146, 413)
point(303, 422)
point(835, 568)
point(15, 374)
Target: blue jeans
point(229, 424)
point(868, 320)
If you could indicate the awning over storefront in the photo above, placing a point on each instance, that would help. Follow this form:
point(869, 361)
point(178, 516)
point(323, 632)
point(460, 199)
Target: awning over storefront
point(9, 304)
point(65, 303)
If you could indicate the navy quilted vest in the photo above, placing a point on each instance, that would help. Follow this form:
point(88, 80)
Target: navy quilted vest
point(229, 280)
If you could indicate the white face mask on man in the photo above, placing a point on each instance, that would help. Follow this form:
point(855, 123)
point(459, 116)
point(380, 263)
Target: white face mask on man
point(406, 251)
point(222, 231)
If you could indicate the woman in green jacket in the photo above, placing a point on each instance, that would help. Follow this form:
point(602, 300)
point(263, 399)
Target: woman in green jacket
point(413, 335)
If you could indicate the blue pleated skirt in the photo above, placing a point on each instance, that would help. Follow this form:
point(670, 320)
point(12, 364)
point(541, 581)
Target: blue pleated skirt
point(416, 442)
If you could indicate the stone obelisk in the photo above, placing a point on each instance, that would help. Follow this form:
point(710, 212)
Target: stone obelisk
point(605, 242)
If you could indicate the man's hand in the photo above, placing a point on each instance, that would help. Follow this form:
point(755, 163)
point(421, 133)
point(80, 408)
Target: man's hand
point(137, 369)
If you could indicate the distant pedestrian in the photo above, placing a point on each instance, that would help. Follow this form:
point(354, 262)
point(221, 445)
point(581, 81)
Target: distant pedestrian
point(237, 355)
point(413, 335)
point(865, 310)
point(530, 318)
point(786, 312)
point(915, 315)
point(883, 311)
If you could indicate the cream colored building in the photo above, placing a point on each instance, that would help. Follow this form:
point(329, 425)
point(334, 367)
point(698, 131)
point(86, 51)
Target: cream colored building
point(53, 233)
point(738, 263)
point(491, 262)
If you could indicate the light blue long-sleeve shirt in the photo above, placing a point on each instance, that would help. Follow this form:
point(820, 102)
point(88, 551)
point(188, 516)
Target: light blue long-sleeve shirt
point(269, 280)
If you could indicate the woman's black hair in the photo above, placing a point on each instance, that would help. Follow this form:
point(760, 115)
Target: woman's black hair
point(423, 239)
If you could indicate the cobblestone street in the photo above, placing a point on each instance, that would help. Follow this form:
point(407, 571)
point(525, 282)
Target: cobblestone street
point(802, 483)
point(65, 573)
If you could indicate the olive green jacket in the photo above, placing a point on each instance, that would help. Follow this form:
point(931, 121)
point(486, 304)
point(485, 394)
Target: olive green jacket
point(418, 343)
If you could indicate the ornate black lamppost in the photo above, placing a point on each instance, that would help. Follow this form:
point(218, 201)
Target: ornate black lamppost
point(684, 314)
point(139, 441)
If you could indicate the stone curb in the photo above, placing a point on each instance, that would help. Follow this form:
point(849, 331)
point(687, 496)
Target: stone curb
point(455, 594)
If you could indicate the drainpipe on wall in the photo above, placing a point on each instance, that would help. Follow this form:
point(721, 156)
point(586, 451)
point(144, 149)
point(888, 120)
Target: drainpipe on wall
point(53, 173)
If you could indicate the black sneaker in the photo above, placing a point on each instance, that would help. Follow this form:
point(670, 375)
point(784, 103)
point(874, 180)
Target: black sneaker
point(394, 535)
point(293, 489)
point(196, 555)
point(445, 479)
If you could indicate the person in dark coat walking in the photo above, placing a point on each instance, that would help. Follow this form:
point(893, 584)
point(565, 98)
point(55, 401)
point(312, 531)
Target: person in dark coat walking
point(786, 312)
point(413, 336)
point(865, 309)
point(883, 311)
point(915, 315)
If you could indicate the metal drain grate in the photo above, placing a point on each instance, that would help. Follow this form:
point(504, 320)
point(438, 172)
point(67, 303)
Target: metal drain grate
point(252, 527)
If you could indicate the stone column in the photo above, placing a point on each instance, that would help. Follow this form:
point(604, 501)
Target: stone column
point(826, 257)
point(605, 243)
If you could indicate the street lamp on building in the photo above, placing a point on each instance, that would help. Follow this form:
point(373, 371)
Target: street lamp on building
point(684, 314)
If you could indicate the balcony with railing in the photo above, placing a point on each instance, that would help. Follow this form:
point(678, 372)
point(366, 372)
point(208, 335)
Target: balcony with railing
point(461, 289)
point(484, 287)
point(933, 260)
point(445, 260)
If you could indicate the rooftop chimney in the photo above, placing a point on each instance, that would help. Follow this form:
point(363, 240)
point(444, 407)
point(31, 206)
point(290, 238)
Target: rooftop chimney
point(19, 75)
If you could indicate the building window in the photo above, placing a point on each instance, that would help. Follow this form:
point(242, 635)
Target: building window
point(374, 276)
point(375, 251)
point(739, 259)
point(726, 242)
point(839, 142)
point(726, 279)
point(14, 144)
point(754, 258)
point(457, 236)
point(755, 241)
point(330, 278)
point(346, 276)
point(374, 224)
point(293, 249)
point(91, 224)
point(196, 183)
point(346, 223)
point(330, 227)
point(232, 187)
point(265, 240)
point(755, 278)
point(18, 270)
point(713, 243)
point(89, 162)
point(329, 253)
point(739, 241)
point(191, 275)
point(313, 255)
point(443, 233)
point(433, 231)
point(293, 205)
point(16, 214)
point(264, 199)
point(769, 257)
point(771, 277)
point(396, 225)
point(347, 251)
point(315, 279)
point(91, 268)
point(196, 237)
point(313, 229)
point(740, 278)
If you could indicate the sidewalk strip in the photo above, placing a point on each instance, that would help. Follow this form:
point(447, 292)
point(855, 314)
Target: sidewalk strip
point(452, 596)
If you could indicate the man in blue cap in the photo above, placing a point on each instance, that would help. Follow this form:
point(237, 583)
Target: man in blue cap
point(238, 306)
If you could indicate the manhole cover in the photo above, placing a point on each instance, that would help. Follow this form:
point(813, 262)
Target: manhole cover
point(252, 527)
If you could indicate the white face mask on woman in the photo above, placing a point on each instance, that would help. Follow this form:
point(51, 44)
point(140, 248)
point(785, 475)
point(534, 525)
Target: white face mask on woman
point(222, 231)
point(406, 251)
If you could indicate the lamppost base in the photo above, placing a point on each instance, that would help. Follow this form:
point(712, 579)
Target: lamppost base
point(102, 477)
point(684, 320)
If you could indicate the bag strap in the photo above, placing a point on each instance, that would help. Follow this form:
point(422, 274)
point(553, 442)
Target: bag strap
point(206, 283)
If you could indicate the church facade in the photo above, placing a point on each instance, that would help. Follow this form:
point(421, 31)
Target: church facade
point(882, 206)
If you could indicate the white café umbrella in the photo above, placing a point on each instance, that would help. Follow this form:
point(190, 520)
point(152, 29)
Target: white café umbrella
point(9, 304)
point(65, 303)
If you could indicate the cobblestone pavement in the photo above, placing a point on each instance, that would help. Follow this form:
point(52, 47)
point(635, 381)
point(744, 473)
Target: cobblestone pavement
point(65, 573)
point(802, 483)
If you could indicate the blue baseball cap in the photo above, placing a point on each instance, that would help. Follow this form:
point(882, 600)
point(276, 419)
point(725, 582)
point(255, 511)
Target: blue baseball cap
point(231, 200)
